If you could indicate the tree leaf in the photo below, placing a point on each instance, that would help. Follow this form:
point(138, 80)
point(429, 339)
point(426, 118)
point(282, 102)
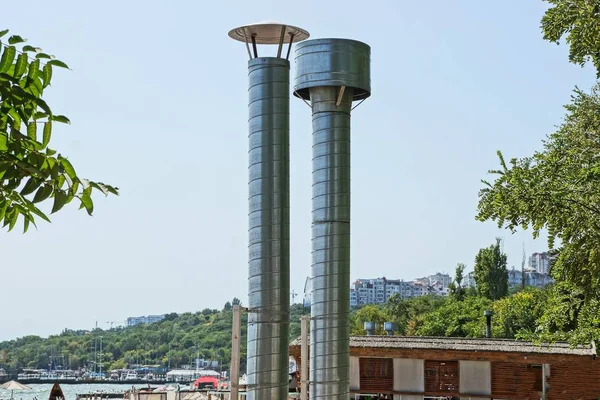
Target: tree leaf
point(66, 164)
point(8, 56)
point(60, 199)
point(30, 48)
point(43, 55)
point(58, 63)
point(14, 39)
point(60, 118)
point(13, 219)
point(47, 133)
point(44, 106)
point(31, 185)
point(39, 213)
point(109, 189)
point(39, 115)
point(4, 32)
point(100, 187)
point(26, 223)
point(34, 69)
point(3, 208)
point(47, 74)
point(7, 216)
point(3, 141)
point(42, 194)
point(32, 130)
point(20, 66)
point(86, 202)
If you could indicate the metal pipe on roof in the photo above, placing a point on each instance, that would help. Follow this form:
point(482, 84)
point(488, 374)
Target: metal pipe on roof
point(370, 328)
point(331, 74)
point(389, 328)
point(488, 323)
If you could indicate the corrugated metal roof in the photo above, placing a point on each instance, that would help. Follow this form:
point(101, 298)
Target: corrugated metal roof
point(464, 344)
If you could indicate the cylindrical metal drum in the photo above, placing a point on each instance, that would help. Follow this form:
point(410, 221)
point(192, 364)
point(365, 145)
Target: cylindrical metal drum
point(332, 62)
point(269, 230)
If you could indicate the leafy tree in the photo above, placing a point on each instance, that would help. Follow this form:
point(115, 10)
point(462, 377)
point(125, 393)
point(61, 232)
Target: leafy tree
point(457, 291)
point(369, 313)
point(579, 20)
point(227, 306)
point(408, 313)
point(569, 314)
point(296, 311)
point(557, 189)
point(455, 318)
point(30, 171)
point(184, 335)
point(519, 314)
point(491, 275)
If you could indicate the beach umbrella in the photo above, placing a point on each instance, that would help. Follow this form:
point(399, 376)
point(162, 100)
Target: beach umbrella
point(12, 386)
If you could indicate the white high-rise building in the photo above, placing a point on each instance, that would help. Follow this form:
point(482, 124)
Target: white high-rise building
point(540, 262)
point(442, 279)
point(379, 290)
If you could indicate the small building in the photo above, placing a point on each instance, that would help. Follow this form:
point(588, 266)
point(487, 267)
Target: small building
point(421, 368)
point(150, 319)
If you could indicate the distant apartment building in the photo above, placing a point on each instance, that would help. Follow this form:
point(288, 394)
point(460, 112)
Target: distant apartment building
point(379, 290)
point(442, 279)
point(150, 319)
point(540, 262)
point(532, 277)
point(469, 280)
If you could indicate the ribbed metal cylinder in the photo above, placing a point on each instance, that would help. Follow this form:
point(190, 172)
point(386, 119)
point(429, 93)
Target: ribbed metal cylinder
point(269, 265)
point(331, 73)
point(330, 308)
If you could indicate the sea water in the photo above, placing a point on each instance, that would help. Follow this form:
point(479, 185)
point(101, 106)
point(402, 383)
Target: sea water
point(42, 391)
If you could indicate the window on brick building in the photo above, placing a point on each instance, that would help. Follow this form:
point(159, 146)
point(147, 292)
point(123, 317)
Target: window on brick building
point(537, 371)
point(376, 374)
point(441, 377)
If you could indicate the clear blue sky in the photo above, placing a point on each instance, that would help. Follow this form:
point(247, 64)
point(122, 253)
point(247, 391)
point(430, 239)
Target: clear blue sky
point(157, 96)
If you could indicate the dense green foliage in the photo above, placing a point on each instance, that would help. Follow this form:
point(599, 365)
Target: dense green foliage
point(491, 275)
point(579, 21)
point(175, 341)
point(30, 171)
point(558, 189)
point(515, 316)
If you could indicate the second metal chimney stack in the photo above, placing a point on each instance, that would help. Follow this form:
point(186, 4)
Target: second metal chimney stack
point(269, 214)
point(331, 74)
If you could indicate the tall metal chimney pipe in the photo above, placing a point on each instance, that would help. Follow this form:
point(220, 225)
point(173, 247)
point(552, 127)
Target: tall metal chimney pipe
point(488, 323)
point(269, 202)
point(331, 74)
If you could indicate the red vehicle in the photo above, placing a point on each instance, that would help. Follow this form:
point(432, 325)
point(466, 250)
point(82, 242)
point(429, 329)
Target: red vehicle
point(206, 382)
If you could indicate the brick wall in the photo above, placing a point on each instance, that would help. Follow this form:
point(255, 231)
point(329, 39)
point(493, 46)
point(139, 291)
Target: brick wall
point(574, 380)
point(509, 379)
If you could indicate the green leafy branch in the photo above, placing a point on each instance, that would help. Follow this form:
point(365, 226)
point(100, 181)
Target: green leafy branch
point(30, 171)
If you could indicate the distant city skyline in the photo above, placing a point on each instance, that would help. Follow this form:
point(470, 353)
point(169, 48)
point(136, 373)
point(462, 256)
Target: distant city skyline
point(300, 296)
